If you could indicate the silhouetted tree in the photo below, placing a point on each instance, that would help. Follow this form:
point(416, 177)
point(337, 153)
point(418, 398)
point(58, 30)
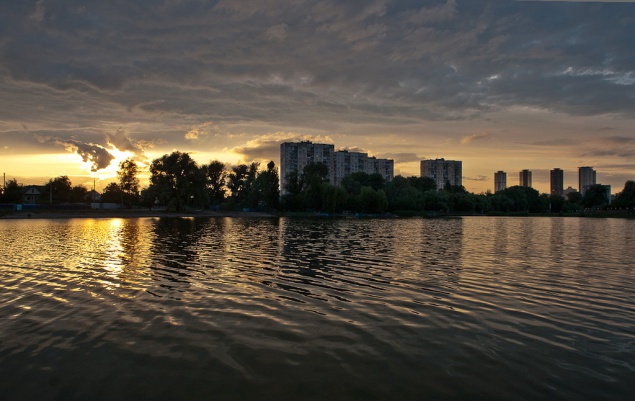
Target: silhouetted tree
point(423, 184)
point(60, 186)
point(112, 193)
point(240, 180)
point(177, 182)
point(595, 196)
point(215, 176)
point(333, 198)
point(128, 181)
point(265, 192)
point(313, 175)
point(78, 194)
point(12, 192)
point(371, 201)
point(557, 203)
point(626, 198)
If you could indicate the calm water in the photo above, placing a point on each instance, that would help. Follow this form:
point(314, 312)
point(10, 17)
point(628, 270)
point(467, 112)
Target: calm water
point(286, 309)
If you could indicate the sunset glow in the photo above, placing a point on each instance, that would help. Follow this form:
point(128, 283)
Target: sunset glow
point(500, 85)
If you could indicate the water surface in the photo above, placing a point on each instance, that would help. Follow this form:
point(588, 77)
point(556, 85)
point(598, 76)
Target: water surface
point(228, 308)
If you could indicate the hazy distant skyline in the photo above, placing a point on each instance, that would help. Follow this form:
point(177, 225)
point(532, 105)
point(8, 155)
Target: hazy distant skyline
point(501, 85)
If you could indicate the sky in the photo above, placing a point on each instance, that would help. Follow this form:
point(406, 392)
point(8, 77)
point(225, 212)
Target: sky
point(500, 85)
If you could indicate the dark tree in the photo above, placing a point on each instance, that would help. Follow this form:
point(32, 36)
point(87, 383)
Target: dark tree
point(333, 198)
point(215, 176)
point(239, 182)
point(60, 187)
point(12, 192)
point(557, 203)
point(265, 192)
point(314, 170)
point(112, 193)
point(574, 197)
point(78, 194)
point(353, 183)
point(128, 181)
point(626, 198)
point(423, 184)
point(595, 196)
point(371, 201)
point(177, 182)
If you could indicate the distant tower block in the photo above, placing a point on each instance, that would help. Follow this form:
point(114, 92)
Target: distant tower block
point(500, 181)
point(525, 178)
point(586, 178)
point(443, 171)
point(557, 182)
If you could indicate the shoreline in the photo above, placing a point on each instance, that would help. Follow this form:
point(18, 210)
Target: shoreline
point(125, 213)
point(144, 213)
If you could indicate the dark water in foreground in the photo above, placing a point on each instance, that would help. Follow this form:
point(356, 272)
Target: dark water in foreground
point(284, 309)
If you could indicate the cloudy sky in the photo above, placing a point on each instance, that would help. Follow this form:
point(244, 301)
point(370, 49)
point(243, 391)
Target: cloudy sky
point(501, 84)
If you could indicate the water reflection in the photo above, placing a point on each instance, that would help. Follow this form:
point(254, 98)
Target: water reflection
point(448, 308)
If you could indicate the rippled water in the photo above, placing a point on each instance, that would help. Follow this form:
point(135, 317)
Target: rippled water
point(294, 309)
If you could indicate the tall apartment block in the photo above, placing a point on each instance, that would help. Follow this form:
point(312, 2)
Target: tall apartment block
point(586, 178)
point(347, 163)
point(557, 182)
point(525, 178)
point(294, 156)
point(500, 181)
point(443, 171)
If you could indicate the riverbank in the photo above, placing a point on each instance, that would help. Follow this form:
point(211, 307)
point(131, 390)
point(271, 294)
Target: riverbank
point(124, 213)
point(137, 213)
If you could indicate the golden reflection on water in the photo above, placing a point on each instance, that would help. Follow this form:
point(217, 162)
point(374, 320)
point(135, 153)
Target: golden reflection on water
point(118, 249)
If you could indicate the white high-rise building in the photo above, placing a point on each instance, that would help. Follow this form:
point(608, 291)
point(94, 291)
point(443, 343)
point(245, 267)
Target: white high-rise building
point(586, 178)
point(443, 171)
point(347, 163)
point(294, 156)
point(385, 167)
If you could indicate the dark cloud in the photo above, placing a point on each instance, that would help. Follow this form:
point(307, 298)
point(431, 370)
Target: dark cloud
point(120, 141)
point(98, 156)
point(164, 70)
point(262, 151)
point(280, 61)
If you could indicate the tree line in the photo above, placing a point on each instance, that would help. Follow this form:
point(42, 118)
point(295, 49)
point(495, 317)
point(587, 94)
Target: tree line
point(370, 193)
point(177, 182)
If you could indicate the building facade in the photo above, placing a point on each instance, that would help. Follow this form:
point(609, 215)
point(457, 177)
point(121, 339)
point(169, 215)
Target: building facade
point(443, 171)
point(586, 178)
point(557, 182)
point(524, 178)
point(500, 181)
point(294, 156)
point(347, 163)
